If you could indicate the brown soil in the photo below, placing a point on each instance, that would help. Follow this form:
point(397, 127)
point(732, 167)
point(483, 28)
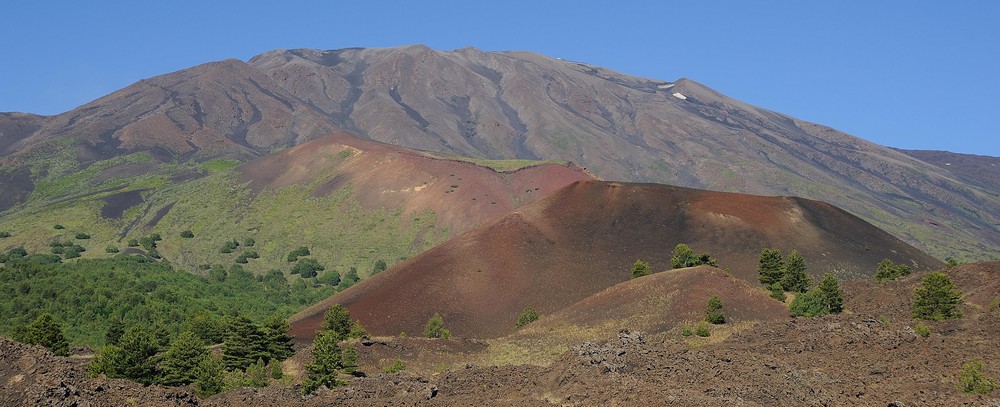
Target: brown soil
point(584, 238)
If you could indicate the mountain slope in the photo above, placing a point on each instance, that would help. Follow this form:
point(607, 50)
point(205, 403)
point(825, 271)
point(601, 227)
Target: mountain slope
point(585, 237)
point(351, 201)
point(510, 105)
point(524, 105)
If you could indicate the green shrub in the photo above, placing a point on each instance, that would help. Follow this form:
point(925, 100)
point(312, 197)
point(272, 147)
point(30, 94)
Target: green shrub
point(249, 242)
point(937, 299)
point(435, 328)
point(229, 246)
point(778, 292)
point(974, 380)
point(809, 304)
point(922, 329)
point(357, 330)
point(257, 374)
point(4, 234)
point(379, 267)
point(713, 314)
point(396, 366)
point(58, 227)
point(307, 268)
point(702, 330)
point(295, 254)
point(686, 331)
point(330, 278)
point(111, 249)
point(640, 268)
point(275, 368)
point(527, 316)
point(350, 278)
point(133, 243)
point(187, 234)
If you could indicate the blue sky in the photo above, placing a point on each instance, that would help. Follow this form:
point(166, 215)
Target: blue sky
point(908, 74)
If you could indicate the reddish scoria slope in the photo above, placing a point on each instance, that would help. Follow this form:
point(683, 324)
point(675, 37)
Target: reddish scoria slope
point(584, 238)
point(462, 194)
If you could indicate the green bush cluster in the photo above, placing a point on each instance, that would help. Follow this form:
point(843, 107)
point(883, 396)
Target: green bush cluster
point(87, 295)
point(527, 316)
point(888, 271)
point(702, 330)
point(68, 250)
point(824, 299)
point(684, 256)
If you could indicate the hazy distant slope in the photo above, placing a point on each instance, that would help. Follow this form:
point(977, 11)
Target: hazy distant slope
point(981, 170)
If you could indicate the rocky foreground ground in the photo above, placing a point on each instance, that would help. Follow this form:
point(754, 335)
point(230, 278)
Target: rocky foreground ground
point(842, 360)
point(868, 356)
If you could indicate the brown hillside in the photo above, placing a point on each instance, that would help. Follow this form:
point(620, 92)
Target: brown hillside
point(462, 194)
point(584, 238)
point(657, 303)
point(978, 282)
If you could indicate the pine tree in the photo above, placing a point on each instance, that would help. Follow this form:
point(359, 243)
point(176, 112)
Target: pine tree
point(279, 342)
point(206, 326)
point(116, 328)
point(713, 314)
point(256, 374)
point(180, 362)
point(771, 267)
point(640, 268)
point(210, 376)
point(244, 344)
point(133, 357)
point(46, 332)
point(937, 298)
point(682, 256)
point(329, 360)
point(829, 288)
point(337, 319)
point(794, 277)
